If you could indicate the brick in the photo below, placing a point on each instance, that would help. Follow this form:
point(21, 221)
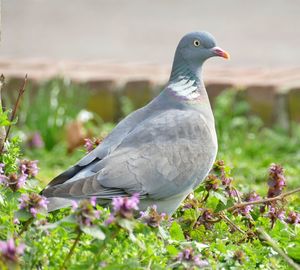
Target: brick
point(139, 92)
point(215, 89)
point(103, 100)
point(281, 112)
point(293, 99)
point(262, 100)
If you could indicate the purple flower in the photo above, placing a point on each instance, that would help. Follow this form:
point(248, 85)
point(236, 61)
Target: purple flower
point(29, 168)
point(85, 212)
point(91, 144)
point(206, 219)
point(226, 181)
point(74, 205)
point(152, 218)
point(110, 219)
point(33, 203)
point(250, 197)
point(276, 180)
point(21, 180)
point(293, 218)
point(211, 182)
point(232, 192)
point(275, 214)
point(93, 201)
point(188, 256)
point(125, 206)
point(200, 263)
point(10, 251)
point(13, 181)
point(191, 203)
point(35, 141)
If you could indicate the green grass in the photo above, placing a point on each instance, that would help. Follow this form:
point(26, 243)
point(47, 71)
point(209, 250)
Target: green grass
point(244, 144)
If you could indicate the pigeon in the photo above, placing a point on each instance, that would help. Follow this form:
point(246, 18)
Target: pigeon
point(162, 151)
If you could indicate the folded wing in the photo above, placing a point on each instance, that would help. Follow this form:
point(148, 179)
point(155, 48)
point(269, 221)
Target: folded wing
point(163, 156)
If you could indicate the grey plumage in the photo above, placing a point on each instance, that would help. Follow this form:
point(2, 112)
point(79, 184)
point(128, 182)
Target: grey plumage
point(161, 151)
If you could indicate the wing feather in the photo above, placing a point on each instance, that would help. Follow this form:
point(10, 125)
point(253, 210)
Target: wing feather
point(162, 156)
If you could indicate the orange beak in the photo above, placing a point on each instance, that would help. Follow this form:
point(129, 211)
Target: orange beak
point(220, 52)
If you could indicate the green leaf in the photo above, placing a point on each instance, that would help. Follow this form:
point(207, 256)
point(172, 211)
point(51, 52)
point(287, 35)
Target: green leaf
point(219, 196)
point(4, 118)
point(172, 250)
point(126, 224)
point(69, 220)
point(294, 254)
point(164, 235)
point(176, 232)
point(22, 215)
point(94, 231)
point(221, 206)
point(200, 246)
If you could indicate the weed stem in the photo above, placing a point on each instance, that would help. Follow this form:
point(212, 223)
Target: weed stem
point(264, 236)
point(71, 250)
point(279, 197)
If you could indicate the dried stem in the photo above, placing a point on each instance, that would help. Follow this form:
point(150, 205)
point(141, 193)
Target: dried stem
point(223, 216)
point(71, 250)
point(13, 115)
point(279, 197)
point(264, 236)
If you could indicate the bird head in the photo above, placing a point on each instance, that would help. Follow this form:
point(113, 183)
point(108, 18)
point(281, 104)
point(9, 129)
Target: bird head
point(196, 47)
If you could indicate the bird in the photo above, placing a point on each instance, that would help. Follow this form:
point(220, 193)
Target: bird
point(161, 151)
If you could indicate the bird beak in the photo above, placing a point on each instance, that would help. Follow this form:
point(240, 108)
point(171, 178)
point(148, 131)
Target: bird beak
point(219, 52)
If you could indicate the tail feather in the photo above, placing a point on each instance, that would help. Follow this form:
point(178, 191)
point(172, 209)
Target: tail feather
point(56, 203)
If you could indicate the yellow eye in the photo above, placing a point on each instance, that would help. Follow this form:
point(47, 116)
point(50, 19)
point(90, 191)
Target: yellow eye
point(196, 43)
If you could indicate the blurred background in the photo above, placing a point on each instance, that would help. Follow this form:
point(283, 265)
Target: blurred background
point(90, 63)
point(261, 34)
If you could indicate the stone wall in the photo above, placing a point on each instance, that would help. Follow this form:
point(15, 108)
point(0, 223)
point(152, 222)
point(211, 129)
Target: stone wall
point(274, 95)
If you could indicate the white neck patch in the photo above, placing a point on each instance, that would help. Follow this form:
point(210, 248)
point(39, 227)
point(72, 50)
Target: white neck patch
point(185, 88)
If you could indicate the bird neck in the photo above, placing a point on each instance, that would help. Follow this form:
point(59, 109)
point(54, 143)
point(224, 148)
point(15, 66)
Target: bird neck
point(186, 82)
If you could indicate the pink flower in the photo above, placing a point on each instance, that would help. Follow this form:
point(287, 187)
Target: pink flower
point(29, 168)
point(125, 206)
point(36, 141)
point(93, 201)
point(276, 180)
point(13, 181)
point(84, 212)
point(10, 251)
point(33, 203)
point(91, 144)
point(206, 219)
point(110, 219)
point(152, 218)
point(293, 218)
point(250, 197)
point(275, 214)
point(74, 205)
point(188, 255)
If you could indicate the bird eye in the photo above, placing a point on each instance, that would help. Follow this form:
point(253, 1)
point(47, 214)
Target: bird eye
point(196, 43)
